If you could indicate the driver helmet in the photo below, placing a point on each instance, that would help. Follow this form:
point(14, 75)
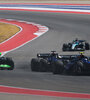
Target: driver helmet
point(81, 53)
point(76, 39)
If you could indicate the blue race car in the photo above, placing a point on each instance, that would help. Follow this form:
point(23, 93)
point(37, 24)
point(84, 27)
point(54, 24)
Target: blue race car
point(75, 65)
point(76, 45)
point(78, 66)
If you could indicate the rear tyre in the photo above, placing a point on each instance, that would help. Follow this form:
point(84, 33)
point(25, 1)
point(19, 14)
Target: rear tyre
point(77, 69)
point(10, 62)
point(65, 46)
point(43, 65)
point(87, 46)
point(58, 67)
point(35, 64)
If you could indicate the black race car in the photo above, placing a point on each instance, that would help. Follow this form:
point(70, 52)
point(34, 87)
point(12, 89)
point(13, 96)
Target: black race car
point(6, 63)
point(50, 62)
point(76, 45)
point(78, 65)
point(44, 61)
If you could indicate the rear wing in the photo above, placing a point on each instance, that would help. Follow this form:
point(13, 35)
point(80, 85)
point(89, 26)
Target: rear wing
point(67, 56)
point(45, 55)
point(41, 55)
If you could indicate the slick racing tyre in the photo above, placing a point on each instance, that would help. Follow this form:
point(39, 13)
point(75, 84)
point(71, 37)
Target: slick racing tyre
point(35, 64)
point(87, 46)
point(58, 67)
point(43, 65)
point(10, 63)
point(64, 48)
point(77, 69)
point(69, 45)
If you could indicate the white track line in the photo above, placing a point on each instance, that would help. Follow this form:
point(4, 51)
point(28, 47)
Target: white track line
point(47, 9)
point(41, 31)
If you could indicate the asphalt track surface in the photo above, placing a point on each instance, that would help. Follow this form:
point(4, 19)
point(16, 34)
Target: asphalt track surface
point(62, 28)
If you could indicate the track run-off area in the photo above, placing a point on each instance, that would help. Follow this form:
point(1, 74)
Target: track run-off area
point(28, 31)
point(61, 22)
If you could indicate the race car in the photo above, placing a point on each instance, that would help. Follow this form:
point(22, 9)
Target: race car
point(50, 62)
point(6, 63)
point(58, 66)
point(44, 61)
point(77, 66)
point(76, 45)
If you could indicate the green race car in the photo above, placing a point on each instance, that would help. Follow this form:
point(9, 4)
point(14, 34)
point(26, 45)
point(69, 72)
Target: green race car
point(6, 63)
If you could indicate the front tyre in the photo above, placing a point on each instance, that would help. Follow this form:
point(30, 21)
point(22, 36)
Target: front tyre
point(58, 67)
